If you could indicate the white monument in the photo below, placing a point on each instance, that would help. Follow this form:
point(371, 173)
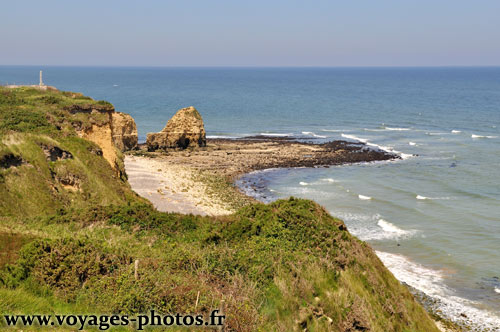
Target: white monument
point(41, 81)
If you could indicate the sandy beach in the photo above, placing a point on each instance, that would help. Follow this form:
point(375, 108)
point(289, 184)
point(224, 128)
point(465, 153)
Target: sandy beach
point(171, 188)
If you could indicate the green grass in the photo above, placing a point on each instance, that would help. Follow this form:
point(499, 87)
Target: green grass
point(278, 267)
point(286, 266)
point(36, 111)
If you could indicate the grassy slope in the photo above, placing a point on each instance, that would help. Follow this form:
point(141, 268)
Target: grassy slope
point(30, 120)
point(285, 266)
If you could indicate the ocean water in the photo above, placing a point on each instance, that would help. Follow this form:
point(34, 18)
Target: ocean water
point(433, 217)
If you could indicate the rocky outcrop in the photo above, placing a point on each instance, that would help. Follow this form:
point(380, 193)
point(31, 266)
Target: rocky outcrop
point(184, 129)
point(109, 129)
point(155, 141)
point(124, 131)
point(54, 153)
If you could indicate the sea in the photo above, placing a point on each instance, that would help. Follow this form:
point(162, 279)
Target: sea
point(433, 216)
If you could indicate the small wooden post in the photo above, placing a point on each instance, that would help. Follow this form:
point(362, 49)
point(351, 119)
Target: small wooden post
point(223, 313)
point(197, 298)
point(136, 269)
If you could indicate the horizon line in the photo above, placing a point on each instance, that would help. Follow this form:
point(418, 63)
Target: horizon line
point(252, 66)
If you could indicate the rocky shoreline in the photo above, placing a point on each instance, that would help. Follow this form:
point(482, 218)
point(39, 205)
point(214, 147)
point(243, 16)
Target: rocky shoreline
point(201, 180)
point(235, 157)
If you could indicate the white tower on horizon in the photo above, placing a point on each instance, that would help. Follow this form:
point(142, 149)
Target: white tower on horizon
point(41, 81)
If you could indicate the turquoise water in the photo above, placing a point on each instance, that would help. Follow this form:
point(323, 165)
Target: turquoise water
point(433, 217)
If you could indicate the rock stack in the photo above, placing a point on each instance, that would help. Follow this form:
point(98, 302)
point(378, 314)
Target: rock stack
point(124, 131)
point(184, 129)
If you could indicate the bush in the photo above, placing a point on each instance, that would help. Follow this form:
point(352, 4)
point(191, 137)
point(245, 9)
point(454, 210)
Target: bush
point(64, 264)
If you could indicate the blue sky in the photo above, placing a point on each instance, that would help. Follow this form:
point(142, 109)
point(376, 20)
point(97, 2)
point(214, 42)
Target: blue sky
point(250, 33)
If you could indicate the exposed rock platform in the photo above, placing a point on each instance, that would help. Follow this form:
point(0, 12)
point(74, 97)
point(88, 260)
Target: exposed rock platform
point(234, 157)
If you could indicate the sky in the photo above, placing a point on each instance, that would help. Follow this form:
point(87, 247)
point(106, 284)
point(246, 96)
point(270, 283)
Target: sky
point(250, 33)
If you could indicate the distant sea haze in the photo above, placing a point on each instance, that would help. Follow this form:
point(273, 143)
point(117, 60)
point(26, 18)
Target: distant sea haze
point(433, 216)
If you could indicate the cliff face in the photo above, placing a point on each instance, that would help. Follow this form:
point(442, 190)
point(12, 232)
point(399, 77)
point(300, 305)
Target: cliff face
point(102, 135)
point(184, 129)
point(107, 128)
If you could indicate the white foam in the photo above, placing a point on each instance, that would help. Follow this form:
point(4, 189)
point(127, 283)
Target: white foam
point(405, 155)
point(115, 85)
point(480, 136)
point(455, 131)
point(277, 134)
point(363, 197)
point(397, 129)
point(432, 198)
point(354, 138)
point(374, 129)
point(220, 136)
point(380, 147)
point(334, 130)
point(431, 282)
point(412, 143)
point(371, 227)
point(303, 183)
point(384, 231)
point(497, 290)
point(391, 228)
point(310, 133)
point(391, 150)
point(329, 180)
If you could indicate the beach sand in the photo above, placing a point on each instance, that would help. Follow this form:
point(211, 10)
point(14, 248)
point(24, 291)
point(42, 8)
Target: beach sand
point(171, 188)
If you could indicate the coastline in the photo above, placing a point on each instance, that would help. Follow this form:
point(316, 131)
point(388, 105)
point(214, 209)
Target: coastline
point(206, 176)
point(205, 180)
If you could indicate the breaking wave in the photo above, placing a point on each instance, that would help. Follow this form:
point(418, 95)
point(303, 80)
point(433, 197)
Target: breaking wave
point(380, 147)
point(310, 133)
point(397, 129)
point(481, 136)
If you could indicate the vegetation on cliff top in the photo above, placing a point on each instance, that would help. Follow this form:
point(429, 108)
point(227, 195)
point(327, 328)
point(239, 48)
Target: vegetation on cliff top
point(71, 230)
point(44, 165)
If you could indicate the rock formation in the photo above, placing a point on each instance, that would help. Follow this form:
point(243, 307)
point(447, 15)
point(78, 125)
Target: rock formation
point(109, 129)
point(184, 129)
point(124, 131)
